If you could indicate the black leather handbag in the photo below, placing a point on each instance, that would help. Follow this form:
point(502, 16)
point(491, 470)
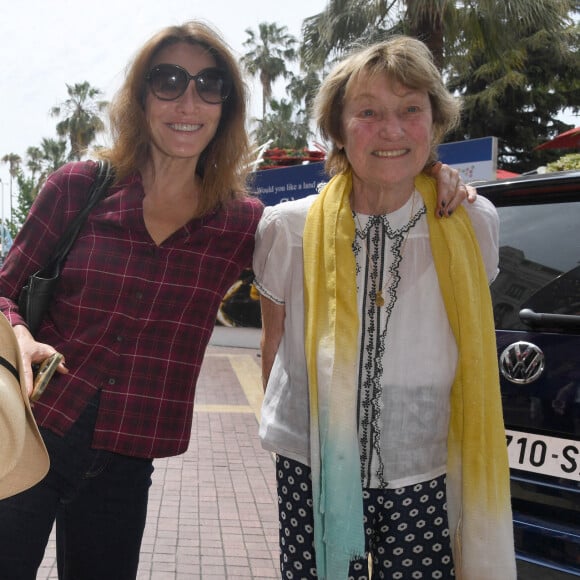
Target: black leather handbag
point(35, 296)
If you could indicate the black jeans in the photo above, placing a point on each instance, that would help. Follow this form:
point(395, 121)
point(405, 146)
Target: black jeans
point(98, 500)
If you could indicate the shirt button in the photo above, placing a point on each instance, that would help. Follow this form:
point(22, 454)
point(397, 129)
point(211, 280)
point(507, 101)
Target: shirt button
point(119, 338)
point(139, 295)
point(112, 382)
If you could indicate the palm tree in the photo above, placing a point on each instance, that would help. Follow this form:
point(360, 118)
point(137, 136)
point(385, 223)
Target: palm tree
point(14, 162)
point(446, 27)
point(34, 161)
point(269, 52)
point(425, 21)
point(82, 121)
point(304, 88)
point(282, 128)
point(43, 160)
point(53, 153)
point(328, 35)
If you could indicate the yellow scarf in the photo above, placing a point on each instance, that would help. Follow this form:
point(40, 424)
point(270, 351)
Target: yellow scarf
point(478, 497)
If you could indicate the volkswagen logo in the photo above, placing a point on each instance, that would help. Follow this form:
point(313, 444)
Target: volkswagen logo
point(522, 362)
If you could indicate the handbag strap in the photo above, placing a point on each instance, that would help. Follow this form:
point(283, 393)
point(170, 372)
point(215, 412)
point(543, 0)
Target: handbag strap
point(103, 179)
point(9, 366)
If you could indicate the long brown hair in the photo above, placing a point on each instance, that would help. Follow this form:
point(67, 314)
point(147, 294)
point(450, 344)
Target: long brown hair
point(223, 165)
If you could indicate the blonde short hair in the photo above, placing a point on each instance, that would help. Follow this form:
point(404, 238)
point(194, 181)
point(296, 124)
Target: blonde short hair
point(223, 165)
point(405, 60)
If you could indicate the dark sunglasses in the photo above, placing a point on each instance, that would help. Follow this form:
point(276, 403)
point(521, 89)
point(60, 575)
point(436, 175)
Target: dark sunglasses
point(169, 81)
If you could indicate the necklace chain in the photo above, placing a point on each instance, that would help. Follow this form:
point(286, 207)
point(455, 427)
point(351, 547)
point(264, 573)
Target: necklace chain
point(378, 295)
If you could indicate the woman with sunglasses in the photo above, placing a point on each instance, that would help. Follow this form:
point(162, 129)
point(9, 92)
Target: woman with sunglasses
point(137, 304)
point(138, 301)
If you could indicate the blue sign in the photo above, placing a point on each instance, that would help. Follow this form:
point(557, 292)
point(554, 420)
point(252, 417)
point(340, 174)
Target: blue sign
point(475, 159)
point(466, 151)
point(287, 183)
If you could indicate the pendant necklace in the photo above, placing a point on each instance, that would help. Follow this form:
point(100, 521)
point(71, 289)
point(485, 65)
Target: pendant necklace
point(378, 295)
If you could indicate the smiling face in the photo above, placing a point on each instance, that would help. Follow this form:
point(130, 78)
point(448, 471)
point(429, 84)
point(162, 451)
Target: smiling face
point(387, 132)
point(183, 128)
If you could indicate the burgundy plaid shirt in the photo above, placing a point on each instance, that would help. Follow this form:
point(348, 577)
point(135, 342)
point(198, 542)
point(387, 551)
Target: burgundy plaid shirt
point(133, 319)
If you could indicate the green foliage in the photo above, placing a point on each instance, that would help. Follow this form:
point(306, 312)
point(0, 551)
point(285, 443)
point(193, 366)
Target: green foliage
point(303, 90)
point(43, 160)
point(77, 131)
point(27, 192)
point(14, 160)
point(516, 64)
point(570, 161)
point(344, 23)
point(282, 127)
point(517, 96)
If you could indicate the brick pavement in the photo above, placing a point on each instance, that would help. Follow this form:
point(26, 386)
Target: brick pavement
point(212, 511)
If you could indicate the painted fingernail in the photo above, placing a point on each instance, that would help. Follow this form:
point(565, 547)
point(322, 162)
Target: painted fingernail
point(440, 213)
point(443, 204)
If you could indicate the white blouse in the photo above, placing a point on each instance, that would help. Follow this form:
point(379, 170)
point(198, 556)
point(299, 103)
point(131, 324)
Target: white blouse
point(407, 354)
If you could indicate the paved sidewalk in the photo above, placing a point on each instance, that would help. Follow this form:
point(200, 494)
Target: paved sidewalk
point(212, 511)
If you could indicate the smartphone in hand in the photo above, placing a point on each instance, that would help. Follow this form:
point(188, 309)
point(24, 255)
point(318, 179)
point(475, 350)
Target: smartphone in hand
point(44, 374)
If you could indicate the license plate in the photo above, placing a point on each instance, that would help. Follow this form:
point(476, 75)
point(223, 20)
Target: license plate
point(546, 455)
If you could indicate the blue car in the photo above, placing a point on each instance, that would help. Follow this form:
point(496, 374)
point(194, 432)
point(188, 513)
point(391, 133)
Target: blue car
point(536, 298)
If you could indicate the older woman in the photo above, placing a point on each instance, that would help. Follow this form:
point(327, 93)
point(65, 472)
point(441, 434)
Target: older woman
point(136, 305)
point(382, 400)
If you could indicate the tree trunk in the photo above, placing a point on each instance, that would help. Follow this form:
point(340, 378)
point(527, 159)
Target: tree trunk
point(426, 23)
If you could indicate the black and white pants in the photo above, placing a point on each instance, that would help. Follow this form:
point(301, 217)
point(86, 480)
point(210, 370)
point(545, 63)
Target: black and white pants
point(407, 533)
